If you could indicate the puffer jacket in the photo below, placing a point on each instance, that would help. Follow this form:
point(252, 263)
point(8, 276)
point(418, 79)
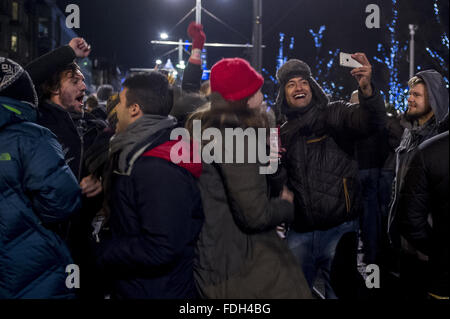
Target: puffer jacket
point(239, 254)
point(320, 161)
point(36, 188)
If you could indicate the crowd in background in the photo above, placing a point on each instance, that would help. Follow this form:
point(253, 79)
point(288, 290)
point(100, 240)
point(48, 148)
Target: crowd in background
point(89, 180)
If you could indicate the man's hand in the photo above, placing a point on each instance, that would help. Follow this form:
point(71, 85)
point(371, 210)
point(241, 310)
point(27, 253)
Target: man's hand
point(91, 186)
point(363, 74)
point(80, 47)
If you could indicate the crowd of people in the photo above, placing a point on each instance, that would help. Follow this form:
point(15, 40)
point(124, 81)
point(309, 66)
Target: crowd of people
point(91, 181)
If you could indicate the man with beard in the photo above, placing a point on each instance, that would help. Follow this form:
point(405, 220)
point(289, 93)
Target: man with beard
point(61, 93)
point(427, 109)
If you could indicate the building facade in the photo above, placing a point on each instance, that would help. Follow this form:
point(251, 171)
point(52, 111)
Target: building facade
point(31, 28)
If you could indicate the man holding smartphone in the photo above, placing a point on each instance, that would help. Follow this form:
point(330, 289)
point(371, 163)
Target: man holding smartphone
point(319, 137)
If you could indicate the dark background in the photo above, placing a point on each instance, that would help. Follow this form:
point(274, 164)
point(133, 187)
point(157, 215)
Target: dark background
point(122, 30)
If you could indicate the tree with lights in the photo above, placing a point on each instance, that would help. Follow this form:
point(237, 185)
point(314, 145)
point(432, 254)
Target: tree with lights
point(392, 56)
point(441, 53)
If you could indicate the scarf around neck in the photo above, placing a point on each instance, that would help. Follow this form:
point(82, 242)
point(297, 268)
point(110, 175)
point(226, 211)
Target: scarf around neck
point(123, 144)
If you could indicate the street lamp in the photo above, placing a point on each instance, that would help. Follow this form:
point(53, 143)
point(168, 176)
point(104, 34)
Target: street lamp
point(164, 36)
point(412, 31)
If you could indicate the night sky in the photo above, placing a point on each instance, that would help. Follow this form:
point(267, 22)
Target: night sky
point(122, 30)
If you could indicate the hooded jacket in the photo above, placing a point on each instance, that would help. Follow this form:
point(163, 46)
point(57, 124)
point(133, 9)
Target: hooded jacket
point(413, 136)
point(37, 188)
point(156, 216)
point(425, 192)
point(320, 142)
point(239, 254)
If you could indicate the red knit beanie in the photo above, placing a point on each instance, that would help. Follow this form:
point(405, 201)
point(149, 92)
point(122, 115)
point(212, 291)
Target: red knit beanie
point(235, 79)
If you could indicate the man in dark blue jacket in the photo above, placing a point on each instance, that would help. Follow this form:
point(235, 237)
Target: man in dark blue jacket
point(37, 189)
point(156, 211)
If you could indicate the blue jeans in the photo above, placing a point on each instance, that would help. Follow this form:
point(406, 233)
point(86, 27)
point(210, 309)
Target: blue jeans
point(371, 218)
point(315, 251)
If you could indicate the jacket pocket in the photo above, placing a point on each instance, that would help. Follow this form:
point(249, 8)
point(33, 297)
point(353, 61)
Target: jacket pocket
point(346, 194)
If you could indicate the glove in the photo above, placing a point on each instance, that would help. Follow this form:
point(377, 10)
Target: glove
point(195, 32)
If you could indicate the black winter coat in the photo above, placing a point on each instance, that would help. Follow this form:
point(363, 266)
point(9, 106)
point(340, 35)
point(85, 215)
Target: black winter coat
point(413, 136)
point(75, 132)
point(425, 191)
point(320, 162)
point(156, 217)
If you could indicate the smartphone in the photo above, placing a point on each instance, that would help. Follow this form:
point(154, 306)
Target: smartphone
point(345, 59)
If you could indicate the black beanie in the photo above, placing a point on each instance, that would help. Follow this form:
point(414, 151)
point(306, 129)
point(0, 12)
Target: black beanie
point(16, 83)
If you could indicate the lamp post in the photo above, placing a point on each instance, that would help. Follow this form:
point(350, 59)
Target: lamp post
point(412, 31)
point(257, 35)
point(198, 11)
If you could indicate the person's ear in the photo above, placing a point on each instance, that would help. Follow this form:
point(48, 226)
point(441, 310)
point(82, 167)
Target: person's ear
point(55, 90)
point(135, 110)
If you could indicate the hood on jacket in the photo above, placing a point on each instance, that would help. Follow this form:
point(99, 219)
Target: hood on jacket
point(187, 162)
point(13, 111)
point(296, 68)
point(437, 93)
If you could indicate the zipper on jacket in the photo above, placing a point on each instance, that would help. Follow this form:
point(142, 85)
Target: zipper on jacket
point(347, 196)
point(81, 158)
point(81, 129)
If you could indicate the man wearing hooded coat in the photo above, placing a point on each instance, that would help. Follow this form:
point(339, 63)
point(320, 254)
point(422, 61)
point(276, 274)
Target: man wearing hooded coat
point(427, 111)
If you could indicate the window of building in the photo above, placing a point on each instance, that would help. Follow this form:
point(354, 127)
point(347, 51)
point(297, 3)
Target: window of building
point(15, 11)
point(14, 42)
point(43, 27)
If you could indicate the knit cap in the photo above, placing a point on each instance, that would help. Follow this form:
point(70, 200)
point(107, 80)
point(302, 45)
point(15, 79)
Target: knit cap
point(235, 79)
point(16, 83)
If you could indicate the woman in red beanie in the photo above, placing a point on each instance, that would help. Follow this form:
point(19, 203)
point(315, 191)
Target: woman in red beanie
point(239, 254)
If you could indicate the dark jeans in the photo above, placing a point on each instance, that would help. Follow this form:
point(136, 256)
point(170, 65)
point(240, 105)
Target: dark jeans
point(316, 250)
point(371, 218)
point(384, 198)
point(385, 191)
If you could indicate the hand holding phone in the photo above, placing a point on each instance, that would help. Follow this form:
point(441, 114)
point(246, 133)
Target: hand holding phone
point(345, 59)
point(361, 70)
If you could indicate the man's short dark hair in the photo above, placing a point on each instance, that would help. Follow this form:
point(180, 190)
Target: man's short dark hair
point(54, 82)
point(104, 92)
point(91, 102)
point(151, 91)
